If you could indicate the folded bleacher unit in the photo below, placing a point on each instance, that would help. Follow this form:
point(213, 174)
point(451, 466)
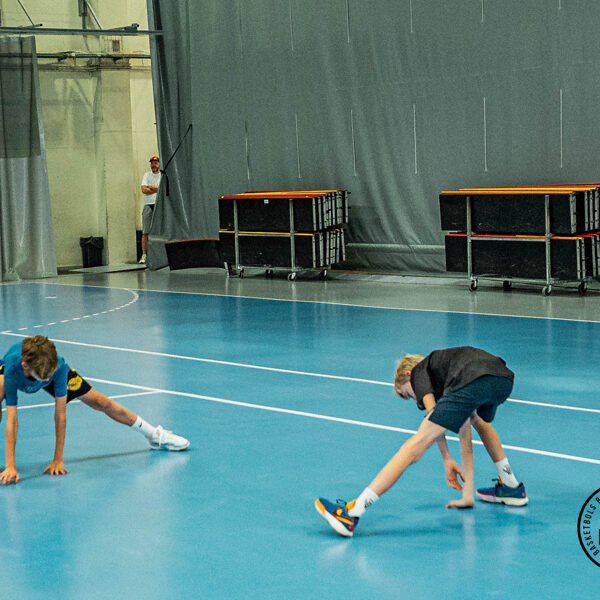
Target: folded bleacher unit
point(521, 212)
point(530, 234)
point(270, 211)
point(295, 229)
point(521, 257)
point(591, 244)
point(317, 250)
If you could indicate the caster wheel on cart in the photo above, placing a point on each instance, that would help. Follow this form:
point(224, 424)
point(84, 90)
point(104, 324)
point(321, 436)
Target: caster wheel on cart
point(323, 274)
point(473, 285)
point(547, 290)
point(269, 273)
point(507, 285)
point(241, 273)
point(582, 288)
point(292, 276)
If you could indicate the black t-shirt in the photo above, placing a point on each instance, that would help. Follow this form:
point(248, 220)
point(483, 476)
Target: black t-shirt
point(449, 370)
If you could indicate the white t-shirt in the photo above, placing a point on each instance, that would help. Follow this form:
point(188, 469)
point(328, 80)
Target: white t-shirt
point(151, 178)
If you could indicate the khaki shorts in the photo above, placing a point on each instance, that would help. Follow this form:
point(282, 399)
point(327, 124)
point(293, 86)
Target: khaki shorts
point(147, 213)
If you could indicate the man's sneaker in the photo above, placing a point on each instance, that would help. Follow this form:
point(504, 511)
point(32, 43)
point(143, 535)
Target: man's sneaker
point(337, 516)
point(502, 494)
point(163, 439)
point(142, 260)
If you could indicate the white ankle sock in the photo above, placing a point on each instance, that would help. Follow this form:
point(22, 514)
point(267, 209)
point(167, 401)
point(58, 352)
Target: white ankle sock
point(363, 502)
point(143, 427)
point(505, 473)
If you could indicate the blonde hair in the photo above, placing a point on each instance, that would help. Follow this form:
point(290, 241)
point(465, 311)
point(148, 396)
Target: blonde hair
point(407, 363)
point(39, 354)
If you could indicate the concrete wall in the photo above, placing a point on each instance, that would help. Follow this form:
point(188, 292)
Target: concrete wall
point(99, 124)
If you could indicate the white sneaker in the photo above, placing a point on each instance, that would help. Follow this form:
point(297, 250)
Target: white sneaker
point(142, 260)
point(163, 439)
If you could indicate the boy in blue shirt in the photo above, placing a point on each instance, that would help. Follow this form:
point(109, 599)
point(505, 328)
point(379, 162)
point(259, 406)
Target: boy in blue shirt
point(33, 364)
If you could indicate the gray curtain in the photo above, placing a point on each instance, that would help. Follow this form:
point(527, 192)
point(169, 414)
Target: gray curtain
point(394, 100)
point(171, 70)
point(26, 234)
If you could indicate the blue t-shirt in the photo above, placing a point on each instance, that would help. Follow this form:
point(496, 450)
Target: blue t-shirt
point(14, 378)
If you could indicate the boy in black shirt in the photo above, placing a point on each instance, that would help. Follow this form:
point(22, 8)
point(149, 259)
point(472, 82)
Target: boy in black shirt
point(458, 387)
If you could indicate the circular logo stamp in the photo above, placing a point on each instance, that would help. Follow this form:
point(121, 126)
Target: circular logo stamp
point(588, 527)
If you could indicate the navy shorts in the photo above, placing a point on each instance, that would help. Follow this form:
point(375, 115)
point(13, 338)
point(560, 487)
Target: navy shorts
point(482, 395)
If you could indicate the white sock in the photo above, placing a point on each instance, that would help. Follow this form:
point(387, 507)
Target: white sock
point(143, 427)
point(363, 502)
point(505, 473)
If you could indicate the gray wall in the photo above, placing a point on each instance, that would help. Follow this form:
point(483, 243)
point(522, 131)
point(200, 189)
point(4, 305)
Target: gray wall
point(394, 100)
point(99, 125)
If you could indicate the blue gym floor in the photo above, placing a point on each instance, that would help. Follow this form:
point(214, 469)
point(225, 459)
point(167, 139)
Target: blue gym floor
point(284, 401)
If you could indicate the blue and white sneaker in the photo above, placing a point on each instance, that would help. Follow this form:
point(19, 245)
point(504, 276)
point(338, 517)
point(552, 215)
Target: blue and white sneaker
point(337, 515)
point(162, 439)
point(502, 494)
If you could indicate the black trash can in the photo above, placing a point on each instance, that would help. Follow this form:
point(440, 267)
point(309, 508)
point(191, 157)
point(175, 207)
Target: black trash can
point(138, 243)
point(91, 251)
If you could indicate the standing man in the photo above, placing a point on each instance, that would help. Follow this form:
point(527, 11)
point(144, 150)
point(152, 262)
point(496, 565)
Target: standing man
point(150, 183)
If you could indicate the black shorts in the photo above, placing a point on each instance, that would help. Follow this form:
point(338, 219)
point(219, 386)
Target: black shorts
point(76, 386)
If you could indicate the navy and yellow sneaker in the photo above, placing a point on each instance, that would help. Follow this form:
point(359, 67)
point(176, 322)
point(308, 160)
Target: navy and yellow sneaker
point(337, 515)
point(502, 494)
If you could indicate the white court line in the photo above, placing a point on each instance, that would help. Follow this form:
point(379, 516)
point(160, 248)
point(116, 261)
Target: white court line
point(46, 404)
point(401, 308)
point(563, 406)
point(210, 360)
point(335, 419)
point(287, 371)
point(149, 390)
point(146, 393)
point(40, 325)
